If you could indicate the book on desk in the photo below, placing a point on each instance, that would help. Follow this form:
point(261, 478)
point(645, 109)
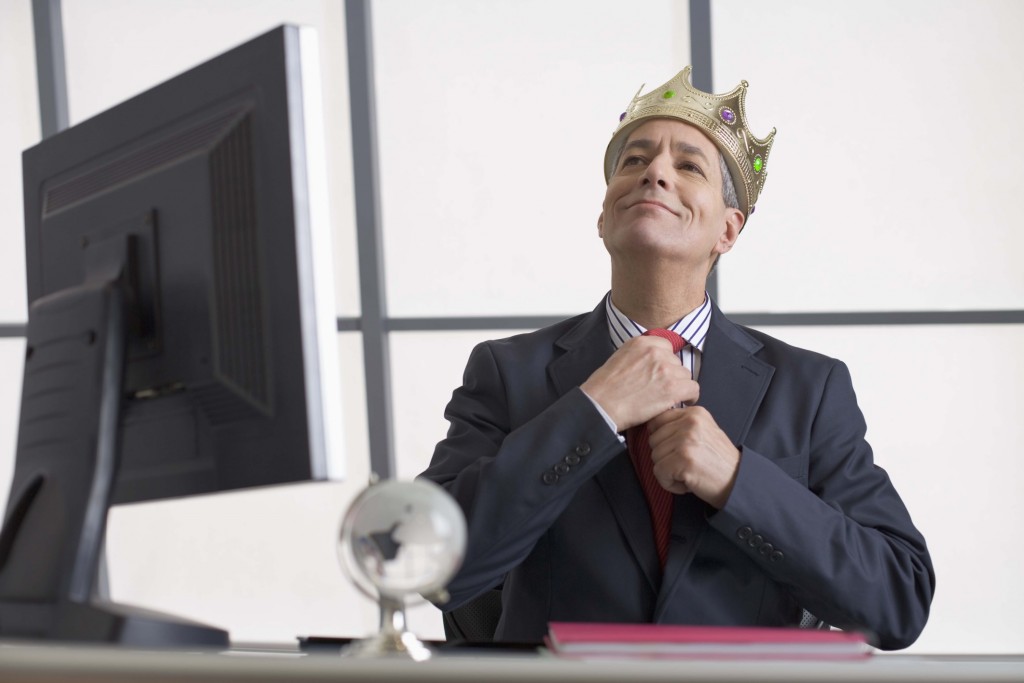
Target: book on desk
point(660, 641)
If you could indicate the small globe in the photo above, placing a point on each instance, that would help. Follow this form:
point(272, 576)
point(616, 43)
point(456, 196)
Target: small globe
point(404, 537)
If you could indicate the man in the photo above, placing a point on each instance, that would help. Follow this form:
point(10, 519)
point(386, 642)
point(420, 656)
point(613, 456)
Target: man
point(774, 508)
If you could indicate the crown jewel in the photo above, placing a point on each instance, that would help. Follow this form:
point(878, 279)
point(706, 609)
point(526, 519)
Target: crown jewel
point(721, 117)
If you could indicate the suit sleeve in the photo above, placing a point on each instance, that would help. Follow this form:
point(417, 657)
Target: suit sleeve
point(512, 479)
point(845, 545)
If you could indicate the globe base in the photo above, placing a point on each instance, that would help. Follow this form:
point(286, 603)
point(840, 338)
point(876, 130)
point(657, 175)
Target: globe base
point(393, 639)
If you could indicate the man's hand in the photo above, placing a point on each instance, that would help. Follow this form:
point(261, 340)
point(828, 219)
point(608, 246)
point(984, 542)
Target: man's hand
point(643, 378)
point(692, 454)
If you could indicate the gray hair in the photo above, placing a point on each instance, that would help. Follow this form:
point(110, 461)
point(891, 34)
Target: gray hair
point(728, 195)
point(728, 187)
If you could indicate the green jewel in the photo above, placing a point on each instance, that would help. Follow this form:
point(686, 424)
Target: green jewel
point(668, 94)
point(758, 164)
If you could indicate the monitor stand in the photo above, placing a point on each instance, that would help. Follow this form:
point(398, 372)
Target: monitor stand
point(67, 461)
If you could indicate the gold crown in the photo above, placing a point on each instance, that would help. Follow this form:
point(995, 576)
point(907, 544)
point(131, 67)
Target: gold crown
point(723, 118)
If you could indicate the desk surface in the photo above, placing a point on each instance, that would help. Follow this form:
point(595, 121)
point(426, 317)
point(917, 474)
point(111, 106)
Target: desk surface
point(55, 663)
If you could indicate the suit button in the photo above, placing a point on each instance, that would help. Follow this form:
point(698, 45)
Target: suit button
point(549, 477)
point(744, 533)
point(561, 468)
point(572, 459)
point(755, 541)
point(583, 449)
point(766, 549)
point(776, 556)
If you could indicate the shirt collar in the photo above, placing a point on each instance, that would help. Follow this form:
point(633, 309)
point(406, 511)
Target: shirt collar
point(693, 327)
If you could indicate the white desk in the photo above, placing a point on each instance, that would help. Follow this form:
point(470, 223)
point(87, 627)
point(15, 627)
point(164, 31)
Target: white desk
point(58, 664)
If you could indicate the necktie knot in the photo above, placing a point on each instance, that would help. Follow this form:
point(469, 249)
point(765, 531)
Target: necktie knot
point(678, 343)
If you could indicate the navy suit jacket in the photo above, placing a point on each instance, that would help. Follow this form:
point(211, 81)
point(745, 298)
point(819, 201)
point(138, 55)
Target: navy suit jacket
point(555, 510)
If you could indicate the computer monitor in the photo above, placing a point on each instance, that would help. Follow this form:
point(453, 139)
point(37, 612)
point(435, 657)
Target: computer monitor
point(182, 332)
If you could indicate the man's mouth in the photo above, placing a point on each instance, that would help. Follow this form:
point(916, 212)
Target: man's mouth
point(654, 202)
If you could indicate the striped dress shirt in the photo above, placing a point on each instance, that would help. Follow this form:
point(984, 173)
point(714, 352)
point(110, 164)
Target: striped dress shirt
point(693, 327)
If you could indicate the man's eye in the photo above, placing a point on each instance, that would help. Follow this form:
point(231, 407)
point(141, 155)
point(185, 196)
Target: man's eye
point(632, 161)
point(692, 167)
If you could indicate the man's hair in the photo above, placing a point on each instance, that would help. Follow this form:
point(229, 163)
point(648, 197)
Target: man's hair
point(728, 186)
point(728, 195)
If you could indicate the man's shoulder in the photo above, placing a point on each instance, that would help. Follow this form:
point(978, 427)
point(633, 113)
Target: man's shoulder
point(543, 338)
point(780, 353)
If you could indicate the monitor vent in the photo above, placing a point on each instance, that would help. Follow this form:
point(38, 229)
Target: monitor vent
point(239, 323)
point(139, 161)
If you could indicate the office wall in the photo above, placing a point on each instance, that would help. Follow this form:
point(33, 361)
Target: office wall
point(493, 118)
point(890, 184)
point(21, 128)
point(20, 116)
point(493, 122)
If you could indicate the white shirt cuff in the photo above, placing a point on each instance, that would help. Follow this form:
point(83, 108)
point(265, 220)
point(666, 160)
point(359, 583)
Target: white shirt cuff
point(608, 420)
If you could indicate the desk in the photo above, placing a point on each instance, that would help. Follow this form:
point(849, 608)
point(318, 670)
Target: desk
point(59, 664)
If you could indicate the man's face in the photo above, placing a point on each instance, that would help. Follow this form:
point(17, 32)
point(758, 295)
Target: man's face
point(664, 199)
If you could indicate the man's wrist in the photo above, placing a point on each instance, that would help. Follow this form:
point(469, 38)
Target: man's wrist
point(607, 418)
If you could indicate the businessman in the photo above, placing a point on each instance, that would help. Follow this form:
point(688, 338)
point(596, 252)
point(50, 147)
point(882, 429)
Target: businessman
point(652, 461)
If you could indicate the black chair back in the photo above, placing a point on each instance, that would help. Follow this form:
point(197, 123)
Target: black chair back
point(476, 621)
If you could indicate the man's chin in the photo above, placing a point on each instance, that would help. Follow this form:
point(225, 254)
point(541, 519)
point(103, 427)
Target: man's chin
point(653, 249)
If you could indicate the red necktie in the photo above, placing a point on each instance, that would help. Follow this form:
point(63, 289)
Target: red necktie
point(658, 499)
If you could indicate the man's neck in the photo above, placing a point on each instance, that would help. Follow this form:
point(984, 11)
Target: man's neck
point(656, 299)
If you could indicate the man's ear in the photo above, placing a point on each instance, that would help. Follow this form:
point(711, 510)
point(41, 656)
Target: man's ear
point(600, 225)
point(734, 220)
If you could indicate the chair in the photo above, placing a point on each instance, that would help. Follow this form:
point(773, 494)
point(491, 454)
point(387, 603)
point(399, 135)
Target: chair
point(808, 620)
point(476, 621)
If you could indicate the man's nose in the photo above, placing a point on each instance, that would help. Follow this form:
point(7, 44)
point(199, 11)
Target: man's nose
point(658, 172)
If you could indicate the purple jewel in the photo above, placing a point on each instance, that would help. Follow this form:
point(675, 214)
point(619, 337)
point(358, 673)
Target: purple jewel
point(622, 116)
point(728, 115)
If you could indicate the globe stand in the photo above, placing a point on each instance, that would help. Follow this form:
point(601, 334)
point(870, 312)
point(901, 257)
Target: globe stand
point(393, 639)
point(400, 541)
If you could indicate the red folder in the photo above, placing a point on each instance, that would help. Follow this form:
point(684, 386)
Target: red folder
point(587, 640)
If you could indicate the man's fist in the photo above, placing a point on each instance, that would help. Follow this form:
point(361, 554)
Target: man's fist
point(643, 378)
point(691, 453)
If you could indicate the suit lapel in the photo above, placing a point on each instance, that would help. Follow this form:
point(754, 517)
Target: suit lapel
point(625, 496)
point(586, 347)
point(732, 380)
point(732, 384)
point(689, 521)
